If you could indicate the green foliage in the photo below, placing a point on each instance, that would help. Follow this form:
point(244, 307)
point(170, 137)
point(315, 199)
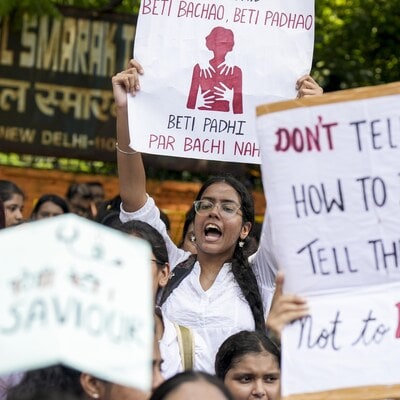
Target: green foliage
point(356, 43)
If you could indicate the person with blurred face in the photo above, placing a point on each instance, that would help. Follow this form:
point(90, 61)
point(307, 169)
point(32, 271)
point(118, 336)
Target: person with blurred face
point(49, 205)
point(13, 199)
point(191, 385)
point(80, 200)
point(70, 382)
point(167, 358)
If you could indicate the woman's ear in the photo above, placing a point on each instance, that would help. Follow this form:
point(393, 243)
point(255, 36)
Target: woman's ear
point(92, 386)
point(246, 228)
point(163, 275)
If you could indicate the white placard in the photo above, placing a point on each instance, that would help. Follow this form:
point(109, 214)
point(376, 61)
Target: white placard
point(331, 178)
point(348, 348)
point(207, 65)
point(331, 175)
point(77, 293)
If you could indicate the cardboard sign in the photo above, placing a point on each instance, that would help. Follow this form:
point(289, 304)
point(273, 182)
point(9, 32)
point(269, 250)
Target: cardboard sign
point(207, 65)
point(77, 293)
point(347, 348)
point(331, 175)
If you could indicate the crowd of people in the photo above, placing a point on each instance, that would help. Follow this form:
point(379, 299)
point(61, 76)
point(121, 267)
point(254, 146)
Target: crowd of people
point(218, 302)
point(188, 351)
point(181, 346)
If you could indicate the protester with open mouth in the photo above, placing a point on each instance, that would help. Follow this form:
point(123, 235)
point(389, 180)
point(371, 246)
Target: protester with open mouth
point(219, 291)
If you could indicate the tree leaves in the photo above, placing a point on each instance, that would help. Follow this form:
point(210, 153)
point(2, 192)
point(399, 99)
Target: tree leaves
point(355, 43)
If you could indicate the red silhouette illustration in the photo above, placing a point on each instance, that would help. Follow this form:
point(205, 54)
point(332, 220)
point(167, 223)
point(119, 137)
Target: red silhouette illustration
point(218, 87)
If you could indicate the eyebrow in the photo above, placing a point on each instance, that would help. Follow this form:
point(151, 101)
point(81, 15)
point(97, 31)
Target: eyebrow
point(252, 373)
point(221, 201)
point(12, 205)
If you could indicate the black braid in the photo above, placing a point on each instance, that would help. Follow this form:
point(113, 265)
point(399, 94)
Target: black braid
point(247, 282)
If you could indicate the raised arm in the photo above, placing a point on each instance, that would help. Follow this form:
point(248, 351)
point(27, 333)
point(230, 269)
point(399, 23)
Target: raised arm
point(132, 176)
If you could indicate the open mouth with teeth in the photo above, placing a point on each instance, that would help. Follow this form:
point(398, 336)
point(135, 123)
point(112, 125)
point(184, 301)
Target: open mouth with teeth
point(212, 232)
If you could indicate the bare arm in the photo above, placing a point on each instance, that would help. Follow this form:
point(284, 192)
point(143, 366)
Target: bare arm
point(132, 176)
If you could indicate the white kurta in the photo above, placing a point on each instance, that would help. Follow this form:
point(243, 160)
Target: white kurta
point(218, 312)
point(169, 350)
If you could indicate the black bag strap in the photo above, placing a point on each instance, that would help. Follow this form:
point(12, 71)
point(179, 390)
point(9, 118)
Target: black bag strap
point(179, 273)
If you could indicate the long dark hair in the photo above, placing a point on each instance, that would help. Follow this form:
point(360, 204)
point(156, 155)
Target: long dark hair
point(172, 384)
point(55, 379)
point(240, 344)
point(241, 269)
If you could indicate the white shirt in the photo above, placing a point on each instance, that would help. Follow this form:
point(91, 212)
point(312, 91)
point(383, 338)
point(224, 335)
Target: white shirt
point(169, 350)
point(214, 314)
point(220, 311)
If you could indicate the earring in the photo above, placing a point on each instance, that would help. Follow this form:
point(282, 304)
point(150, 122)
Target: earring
point(241, 243)
point(192, 238)
point(95, 395)
point(171, 275)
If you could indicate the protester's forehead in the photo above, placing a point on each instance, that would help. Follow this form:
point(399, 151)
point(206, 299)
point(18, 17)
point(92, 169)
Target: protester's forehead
point(255, 361)
point(196, 390)
point(221, 191)
point(50, 205)
point(15, 198)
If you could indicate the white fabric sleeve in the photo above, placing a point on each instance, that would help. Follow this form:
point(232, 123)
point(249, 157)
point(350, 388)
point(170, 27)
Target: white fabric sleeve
point(151, 214)
point(264, 266)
